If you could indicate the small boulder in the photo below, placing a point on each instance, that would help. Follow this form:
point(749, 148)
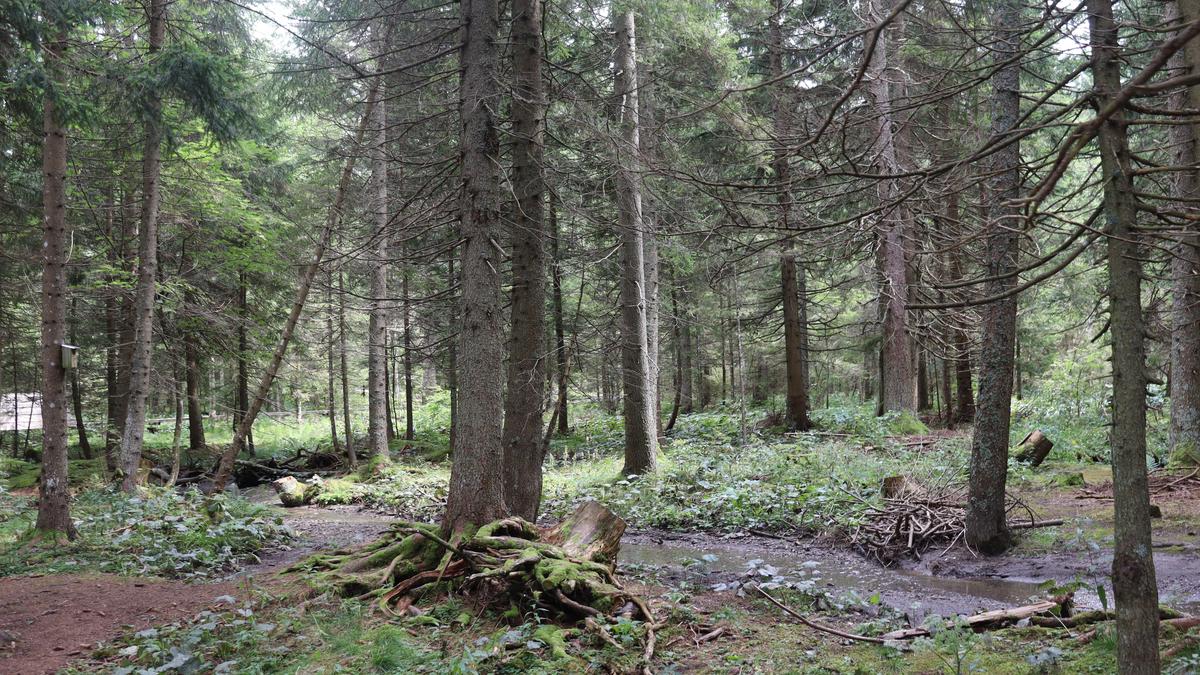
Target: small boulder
point(292, 492)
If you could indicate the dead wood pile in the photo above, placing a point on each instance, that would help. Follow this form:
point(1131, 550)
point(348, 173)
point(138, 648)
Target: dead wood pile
point(912, 519)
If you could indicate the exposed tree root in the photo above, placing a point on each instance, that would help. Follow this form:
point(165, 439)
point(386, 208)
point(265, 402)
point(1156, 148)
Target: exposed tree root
point(565, 573)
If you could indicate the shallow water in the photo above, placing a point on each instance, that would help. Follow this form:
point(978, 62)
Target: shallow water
point(837, 572)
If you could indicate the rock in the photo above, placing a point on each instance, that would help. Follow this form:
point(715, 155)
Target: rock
point(8, 641)
point(292, 492)
point(1155, 511)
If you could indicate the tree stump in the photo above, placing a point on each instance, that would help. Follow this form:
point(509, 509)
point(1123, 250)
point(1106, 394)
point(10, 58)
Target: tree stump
point(591, 532)
point(1034, 449)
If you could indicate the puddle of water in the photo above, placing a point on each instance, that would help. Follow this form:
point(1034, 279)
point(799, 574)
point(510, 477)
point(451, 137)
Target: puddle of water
point(839, 573)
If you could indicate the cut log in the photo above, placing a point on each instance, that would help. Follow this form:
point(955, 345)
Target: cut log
point(996, 618)
point(591, 532)
point(1034, 449)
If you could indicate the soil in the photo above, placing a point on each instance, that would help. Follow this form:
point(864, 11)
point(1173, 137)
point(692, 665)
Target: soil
point(59, 618)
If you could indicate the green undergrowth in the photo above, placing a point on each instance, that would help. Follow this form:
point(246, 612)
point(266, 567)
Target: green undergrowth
point(16, 474)
point(807, 482)
point(269, 636)
point(158, 532)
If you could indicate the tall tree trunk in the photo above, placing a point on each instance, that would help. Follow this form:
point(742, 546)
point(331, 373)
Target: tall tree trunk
point(648, 146)
point(112, 437)
point(77, 395)
point(522, 434)
point(410, 431)
point(177, 397)
point(332, 220)
point(560, 340)
point(987, 529)
point(54, 492)
point(195, 414)
point(640, 432)
point(796, 411)
point(897, 388)
point(1134, 585)
point(452, 352)
point(1185, 263)
point(687, 399)
point(676, 343)
point(143, 315)
point(331, 389)
point(476, 475)
point(351, 454)
point(377, 422)
point(241, 394)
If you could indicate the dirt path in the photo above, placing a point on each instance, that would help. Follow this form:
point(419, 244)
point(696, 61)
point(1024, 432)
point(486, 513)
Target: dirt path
point(59, 618)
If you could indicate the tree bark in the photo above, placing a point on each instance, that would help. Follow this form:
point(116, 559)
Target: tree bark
point(195, 414)
point(640, 432)
point(143, 315)
point(377, 412)
point(987, 529)
point(54, 492)
point(525, 396)
point(560, 340)
point(898, 382)
point(476, 475)
point(410, 431)
point(351, 455)
point(1134, 585)
point(796, 411)
point(1185, 262)
point(77, 395)
point(331, 395)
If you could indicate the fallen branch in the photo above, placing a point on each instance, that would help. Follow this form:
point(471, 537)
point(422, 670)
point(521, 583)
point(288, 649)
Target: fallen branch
point(997, 618)
point(817, 626)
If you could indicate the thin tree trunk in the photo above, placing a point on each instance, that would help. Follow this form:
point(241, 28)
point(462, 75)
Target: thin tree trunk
point(560, 340)
point(525, 396)
point(241, 395)
point(677, 345)
point(476, 475)
point(640, 436)
point(77, 395)
point(196, 440)
point(648, 147)
point(143, 315)
point(54, 492)
point(409, 428)
point(177, 398)
point(351, 455)
point(225, 468)
point(1185, 263)
point(331, 397)
point(1134, 585)
point(377, 423)
point(987, 529)
point(687, 400)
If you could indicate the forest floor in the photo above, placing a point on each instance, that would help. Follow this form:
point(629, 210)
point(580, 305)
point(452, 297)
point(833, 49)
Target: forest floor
point(702, 533)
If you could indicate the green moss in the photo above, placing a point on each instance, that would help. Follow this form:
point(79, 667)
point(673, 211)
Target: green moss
point(905, 423)
point(16, 474)
point(337, 491)
point(553, 637)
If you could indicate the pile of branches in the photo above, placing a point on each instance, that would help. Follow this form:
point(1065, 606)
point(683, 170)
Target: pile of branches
point(913, 519)
point(565, 572)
